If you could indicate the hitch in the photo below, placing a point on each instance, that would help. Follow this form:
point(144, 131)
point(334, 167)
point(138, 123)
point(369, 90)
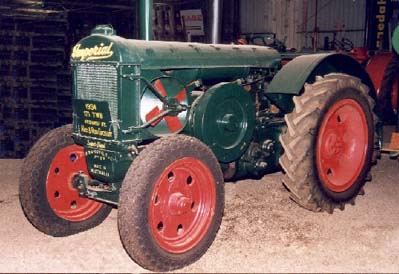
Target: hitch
point(90, 188)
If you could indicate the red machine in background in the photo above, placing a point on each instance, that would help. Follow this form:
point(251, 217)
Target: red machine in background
point(375, 67)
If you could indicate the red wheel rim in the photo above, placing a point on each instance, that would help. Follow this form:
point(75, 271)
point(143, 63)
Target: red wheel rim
point(63, 198)
point(182, 205)
point(342, 145)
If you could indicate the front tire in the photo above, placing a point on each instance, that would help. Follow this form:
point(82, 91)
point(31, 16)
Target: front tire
point(171, 203)
point(329, 143)
point(47, 196)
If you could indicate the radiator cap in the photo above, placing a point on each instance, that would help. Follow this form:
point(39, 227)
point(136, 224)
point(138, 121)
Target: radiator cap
point(104, 29)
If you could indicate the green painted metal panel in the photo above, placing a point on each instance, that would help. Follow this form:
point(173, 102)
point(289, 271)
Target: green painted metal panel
point(224, 119)
point(395, 39)
point(158, 55)
point(304, 69)
point(93, 118)
point(291, 79)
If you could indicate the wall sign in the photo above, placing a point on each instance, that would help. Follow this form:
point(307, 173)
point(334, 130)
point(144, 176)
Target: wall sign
point(379, 14)
point(193, 21)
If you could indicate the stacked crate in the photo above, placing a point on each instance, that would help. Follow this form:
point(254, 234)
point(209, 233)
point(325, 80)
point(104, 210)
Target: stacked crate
point(36, 37)
point(35, 87)
point(35, 78)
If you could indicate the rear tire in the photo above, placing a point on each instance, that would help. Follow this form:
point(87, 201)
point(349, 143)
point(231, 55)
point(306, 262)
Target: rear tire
point(46, 194)
point(171, 203)
point(329, 142)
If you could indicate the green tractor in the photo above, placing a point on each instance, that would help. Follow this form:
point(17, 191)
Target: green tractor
point(159, 126)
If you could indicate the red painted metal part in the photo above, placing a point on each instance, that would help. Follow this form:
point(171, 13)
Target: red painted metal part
point(182, 205)
point(172, 122)
point(62, 197)
point(342, 145)
point(376, 68)
point(360, 54)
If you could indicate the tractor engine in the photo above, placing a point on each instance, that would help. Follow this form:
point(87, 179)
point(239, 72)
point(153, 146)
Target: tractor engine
point(128, 93)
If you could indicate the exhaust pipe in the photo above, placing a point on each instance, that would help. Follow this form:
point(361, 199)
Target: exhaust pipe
point(146, 20)
point(216, 7)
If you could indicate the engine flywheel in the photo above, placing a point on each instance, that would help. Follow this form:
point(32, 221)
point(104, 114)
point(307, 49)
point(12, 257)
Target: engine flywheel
point(224, 119)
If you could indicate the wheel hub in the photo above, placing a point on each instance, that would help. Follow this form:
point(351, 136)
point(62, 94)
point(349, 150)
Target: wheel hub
point(179, 204)
point(334, 145)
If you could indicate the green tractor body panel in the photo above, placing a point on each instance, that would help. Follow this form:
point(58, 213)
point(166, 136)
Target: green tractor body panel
point(128, 93)
point(232, 60)
point(291, 79)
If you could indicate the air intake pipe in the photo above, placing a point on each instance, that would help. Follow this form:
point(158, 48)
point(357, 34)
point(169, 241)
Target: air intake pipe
point(215, 20)
point(146, 20)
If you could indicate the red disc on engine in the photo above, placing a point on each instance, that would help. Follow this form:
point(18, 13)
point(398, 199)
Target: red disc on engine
point(151, 106)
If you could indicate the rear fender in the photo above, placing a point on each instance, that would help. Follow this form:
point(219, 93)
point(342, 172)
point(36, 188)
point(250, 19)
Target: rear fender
point(290, 80)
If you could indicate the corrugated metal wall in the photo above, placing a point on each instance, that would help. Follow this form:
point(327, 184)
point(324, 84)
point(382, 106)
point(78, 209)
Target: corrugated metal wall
point(265, 16)
point(294, 19)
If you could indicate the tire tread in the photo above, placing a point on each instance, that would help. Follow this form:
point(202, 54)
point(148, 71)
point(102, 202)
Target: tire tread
point(297, 160)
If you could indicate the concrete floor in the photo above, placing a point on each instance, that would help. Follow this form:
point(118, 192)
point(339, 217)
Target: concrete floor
point(262, 231)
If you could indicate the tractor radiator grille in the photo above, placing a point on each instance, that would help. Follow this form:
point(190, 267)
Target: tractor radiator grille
point(100, 83)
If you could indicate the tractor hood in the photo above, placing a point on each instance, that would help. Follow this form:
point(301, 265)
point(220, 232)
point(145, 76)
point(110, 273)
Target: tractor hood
point(172, 55)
